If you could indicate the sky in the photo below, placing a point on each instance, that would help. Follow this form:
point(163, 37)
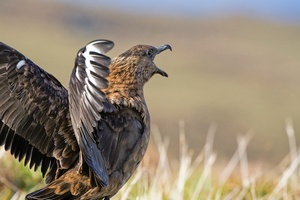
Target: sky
point(282, 10)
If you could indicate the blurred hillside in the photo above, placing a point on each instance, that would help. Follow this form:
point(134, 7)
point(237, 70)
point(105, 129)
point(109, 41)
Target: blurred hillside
point(238, 73)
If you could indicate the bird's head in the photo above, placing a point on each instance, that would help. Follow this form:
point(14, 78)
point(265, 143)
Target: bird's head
point(140, 61)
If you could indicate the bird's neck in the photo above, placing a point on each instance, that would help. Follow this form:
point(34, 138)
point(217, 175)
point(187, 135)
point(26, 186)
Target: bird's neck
point(124, 89)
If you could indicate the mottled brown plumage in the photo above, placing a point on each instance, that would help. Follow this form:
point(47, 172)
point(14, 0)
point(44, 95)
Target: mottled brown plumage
point(88, 141)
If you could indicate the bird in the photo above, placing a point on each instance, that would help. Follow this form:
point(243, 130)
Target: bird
point(87, 140)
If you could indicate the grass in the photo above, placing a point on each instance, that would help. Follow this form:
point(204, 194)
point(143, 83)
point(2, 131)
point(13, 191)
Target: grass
point(202, 176)
point(15, 179)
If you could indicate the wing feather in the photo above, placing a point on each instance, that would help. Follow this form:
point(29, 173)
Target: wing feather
point(34, 113)
point(87, 102)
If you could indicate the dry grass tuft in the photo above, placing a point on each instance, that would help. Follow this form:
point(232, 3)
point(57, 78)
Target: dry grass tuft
point(189, 177)
point(201, 177)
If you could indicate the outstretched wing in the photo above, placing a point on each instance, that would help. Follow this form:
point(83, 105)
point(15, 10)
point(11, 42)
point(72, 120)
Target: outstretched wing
point(87, 101)
point(34, 112)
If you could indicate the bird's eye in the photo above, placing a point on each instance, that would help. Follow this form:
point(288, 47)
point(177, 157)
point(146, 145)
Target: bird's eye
point(149, 52)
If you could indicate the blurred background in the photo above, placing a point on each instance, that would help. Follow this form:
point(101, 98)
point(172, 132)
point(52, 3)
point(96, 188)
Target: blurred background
point(235, 64)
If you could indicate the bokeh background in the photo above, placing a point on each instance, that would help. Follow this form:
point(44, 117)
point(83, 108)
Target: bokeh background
point(235, 64)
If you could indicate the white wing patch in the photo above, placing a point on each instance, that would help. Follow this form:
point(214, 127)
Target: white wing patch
point(88, 57)
point(77, 74)
point(20, 64)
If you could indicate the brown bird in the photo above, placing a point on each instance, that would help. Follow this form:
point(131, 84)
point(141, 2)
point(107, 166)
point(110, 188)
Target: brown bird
point(89, 140)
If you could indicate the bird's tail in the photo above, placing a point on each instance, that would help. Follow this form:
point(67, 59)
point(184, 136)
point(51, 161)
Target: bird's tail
point(71, 185)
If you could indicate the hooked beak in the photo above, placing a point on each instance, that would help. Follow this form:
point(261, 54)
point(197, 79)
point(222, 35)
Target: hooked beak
point(163, 47)
point(159, 50)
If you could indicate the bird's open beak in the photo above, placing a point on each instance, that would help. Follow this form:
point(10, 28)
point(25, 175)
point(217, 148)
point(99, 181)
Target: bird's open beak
point(161, 49)
point(161, 72)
